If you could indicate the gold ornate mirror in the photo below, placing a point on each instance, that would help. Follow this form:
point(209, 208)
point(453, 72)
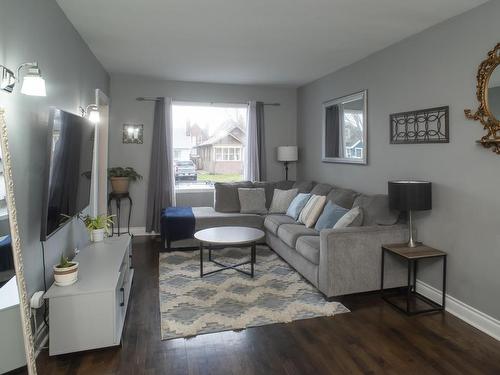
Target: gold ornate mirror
point(488, 95)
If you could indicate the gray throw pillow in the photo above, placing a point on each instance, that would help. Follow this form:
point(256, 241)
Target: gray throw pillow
point(353, 218)
point(281, 200)
point(252, 200)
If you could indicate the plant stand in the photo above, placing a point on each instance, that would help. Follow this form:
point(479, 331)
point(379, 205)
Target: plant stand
point(117, 197)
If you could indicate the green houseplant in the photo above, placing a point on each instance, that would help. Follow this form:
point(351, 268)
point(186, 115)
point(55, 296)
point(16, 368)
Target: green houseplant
point(120, 178)
point(65, 272)
point(97, 226)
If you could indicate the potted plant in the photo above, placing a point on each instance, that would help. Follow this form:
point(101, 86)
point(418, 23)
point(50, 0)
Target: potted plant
point(120, 178)
point(65, 272)
point(97, 226)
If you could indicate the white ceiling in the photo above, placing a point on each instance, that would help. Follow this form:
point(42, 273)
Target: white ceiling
point(273, 42)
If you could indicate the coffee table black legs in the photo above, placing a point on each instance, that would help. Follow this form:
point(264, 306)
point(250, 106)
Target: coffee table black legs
point(201, 259)
point(228, 266)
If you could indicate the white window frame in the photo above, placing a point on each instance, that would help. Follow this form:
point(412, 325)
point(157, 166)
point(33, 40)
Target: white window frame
point(225, 153)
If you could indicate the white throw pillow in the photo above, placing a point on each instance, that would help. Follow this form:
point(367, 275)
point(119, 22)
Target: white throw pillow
point(252, 200)
point(312, 210)
point(281, 200)
point(348, 218)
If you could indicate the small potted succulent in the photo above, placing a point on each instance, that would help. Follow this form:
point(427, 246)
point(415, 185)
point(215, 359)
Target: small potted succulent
point(97, 226)
point(65, 272)
point(120, 178)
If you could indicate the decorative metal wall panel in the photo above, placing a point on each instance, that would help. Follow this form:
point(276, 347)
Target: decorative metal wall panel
point(424, 126)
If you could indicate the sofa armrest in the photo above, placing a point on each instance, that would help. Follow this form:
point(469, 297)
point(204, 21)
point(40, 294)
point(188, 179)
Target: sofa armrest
point(350, 259)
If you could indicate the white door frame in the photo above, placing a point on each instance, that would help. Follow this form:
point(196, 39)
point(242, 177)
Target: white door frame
point(99, 191)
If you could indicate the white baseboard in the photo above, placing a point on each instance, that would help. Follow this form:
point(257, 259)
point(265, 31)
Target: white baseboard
point(468, 314)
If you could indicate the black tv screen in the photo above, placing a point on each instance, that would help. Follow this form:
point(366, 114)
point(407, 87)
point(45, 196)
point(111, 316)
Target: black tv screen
point(70, 147)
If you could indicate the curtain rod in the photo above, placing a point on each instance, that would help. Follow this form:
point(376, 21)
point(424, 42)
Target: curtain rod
point(154, 99)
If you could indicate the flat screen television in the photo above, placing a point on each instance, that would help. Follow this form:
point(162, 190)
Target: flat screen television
point(70, 149)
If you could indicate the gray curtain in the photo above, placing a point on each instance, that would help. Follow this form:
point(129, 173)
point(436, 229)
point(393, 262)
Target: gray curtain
point(161, 193)
point(255, 145)
point(261, 143)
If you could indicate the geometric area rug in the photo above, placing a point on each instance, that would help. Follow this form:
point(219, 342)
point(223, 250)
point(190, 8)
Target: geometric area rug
point(230, 300)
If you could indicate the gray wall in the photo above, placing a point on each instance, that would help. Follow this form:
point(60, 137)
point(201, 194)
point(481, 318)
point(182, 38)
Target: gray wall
point(280, 122)
point(434, 68)
point(39, 30)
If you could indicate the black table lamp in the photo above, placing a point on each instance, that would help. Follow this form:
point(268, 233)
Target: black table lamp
point(410, 195)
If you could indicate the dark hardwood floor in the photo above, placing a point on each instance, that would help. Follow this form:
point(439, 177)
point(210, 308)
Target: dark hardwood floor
point(373, 338)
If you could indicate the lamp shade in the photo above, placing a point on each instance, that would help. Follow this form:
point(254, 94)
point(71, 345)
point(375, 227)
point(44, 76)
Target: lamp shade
point(288, 153)
point(409, 195)
point(33, 83)
point(94, 116)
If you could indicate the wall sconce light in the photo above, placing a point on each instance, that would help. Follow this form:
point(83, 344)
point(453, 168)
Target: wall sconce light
point(93, 113)
point(33, 82)
point(133, 133)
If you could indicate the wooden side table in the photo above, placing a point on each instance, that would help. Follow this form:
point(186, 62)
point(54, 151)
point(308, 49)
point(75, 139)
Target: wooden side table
point(412, 255)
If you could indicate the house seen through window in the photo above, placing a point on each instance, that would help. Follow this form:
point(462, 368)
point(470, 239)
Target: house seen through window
point(209, 143)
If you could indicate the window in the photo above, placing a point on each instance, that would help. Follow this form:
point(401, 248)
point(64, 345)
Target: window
point(228, 153)
point(209, 143)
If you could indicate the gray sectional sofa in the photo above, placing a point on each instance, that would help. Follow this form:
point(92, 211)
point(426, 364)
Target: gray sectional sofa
point(336, 261)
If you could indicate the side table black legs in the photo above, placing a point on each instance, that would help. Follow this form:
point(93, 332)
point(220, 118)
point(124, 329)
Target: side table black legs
point(117, 197)
point(412, 256)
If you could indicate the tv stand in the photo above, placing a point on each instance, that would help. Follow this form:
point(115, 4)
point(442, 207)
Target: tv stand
point(91, 313)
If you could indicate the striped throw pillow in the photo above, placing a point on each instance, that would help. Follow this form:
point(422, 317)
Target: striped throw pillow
point(312, 210)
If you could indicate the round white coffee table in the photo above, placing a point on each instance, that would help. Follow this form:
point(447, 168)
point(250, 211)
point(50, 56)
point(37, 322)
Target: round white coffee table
point(221, 237)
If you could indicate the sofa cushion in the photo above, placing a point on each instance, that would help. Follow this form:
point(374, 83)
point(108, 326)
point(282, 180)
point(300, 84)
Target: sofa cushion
point(321, 189)
point(376, 210)
point(330, 216)
point(273, 222)
point(207, 217)
point(281, 200)
point(353, 218)
point(226, 195)
point(297, 205)
point(303, 186)
point(342, 197)
point(308, 247)
point(252, 200)
point(310, 213)
point(284, 185)
point(289, 233)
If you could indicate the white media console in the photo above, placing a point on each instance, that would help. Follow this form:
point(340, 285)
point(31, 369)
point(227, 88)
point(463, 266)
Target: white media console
point(90, 314)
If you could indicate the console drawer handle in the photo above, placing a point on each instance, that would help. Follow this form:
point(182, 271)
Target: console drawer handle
point(123, 296)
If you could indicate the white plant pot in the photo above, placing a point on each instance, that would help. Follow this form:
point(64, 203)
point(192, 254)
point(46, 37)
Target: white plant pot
point(67, 275)
point(97, 235)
